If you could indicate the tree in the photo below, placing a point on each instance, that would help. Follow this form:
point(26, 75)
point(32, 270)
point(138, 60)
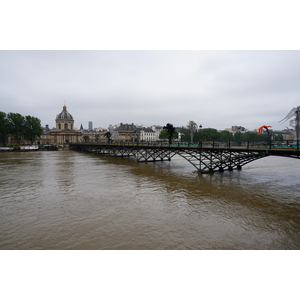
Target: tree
point(170, 131)
point(192, 127)
point(210, 134)
point(32, 128)
point(165, 136)
point(4, 128)
point(225, 135)
point(250, 136)
point(278, 137)
point(238, 136)
point(16, 126)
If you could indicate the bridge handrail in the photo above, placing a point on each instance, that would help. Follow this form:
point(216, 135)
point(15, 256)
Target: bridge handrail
point(288, 144)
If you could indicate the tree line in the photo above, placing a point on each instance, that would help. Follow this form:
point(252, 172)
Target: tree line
point(194, 134)
point(19, 128)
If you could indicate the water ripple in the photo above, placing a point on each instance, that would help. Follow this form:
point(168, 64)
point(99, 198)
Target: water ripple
point(69, 200)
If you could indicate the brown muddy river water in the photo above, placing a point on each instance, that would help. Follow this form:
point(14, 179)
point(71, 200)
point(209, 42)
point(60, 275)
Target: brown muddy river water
point(72, 200)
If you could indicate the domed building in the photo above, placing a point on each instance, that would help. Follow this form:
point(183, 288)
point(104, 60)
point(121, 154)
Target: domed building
point(64, 120)
point(63, 133)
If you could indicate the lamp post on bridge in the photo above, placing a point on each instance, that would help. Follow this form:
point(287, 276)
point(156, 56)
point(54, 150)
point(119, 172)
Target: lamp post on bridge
point(200, 135)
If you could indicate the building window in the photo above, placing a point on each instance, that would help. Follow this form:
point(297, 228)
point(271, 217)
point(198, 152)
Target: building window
point(66, 126)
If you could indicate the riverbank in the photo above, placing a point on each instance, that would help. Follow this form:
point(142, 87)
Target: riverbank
point(29, 148)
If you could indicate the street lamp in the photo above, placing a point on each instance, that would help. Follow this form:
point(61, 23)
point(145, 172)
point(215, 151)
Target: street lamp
point(200, 134)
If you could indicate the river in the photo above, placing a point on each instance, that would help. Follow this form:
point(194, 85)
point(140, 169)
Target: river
point(73, 200)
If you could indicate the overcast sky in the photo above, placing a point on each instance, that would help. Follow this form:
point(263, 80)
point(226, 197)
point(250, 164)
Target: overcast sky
point(217, 89)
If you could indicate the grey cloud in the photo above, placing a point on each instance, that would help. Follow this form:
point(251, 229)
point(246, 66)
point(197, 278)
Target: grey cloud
point(216, 88)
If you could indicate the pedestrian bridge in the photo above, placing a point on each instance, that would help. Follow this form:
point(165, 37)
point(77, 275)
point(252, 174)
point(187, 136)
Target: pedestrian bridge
point(205, 157)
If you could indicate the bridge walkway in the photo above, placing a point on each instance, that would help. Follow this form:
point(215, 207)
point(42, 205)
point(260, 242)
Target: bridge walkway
point(205, 157)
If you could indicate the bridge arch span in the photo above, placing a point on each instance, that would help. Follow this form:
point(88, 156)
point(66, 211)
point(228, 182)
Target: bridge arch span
point(219, 160)
point(204, 159)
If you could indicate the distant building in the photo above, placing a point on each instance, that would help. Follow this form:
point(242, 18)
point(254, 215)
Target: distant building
point(126, 132)
point(235, 129)
point(147, 134)
point(64, 131)
point(90, 125)
point(100, 129)
point(157, 129)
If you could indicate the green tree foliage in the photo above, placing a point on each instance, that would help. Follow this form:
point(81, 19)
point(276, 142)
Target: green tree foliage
point(32, 129)
point(19, 127)
point(278, 137)
point(225, 135)
point(250, 136)
point(165, 136)
point(210, 134)
point(4, 129)
point(16, 124)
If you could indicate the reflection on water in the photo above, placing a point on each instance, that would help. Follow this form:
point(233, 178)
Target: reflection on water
point(70, 200)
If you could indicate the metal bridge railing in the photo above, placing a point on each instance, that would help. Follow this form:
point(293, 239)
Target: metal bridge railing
point(288, 144)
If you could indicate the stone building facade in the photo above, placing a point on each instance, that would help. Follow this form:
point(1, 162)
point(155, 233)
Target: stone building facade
point(147, 134)
point(126, 132)
point(63, 133)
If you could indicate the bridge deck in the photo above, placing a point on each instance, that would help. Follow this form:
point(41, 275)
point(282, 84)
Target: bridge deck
point(205, 158)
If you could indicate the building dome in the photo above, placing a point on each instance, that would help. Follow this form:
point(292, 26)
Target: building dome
point(64, 120)
point(64, 115)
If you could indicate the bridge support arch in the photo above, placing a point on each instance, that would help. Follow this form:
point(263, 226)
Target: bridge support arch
point(212, 160)
point(204, 159)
